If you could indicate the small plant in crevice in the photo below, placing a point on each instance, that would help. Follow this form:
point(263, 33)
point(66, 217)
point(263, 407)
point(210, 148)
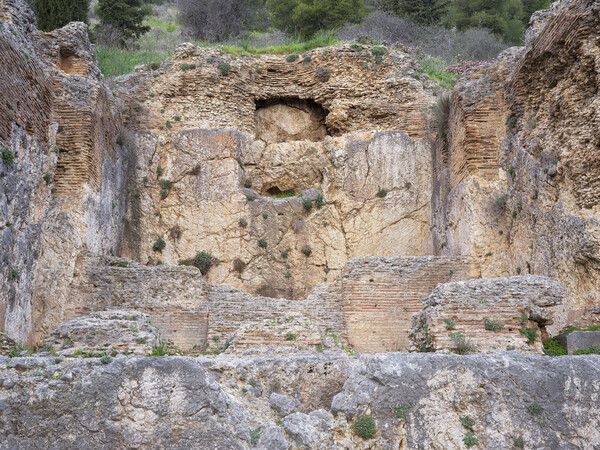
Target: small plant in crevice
point(401, 411)
point(242, 222)
point(291, 58)
point(467, 423)
point(307, 204)
point(137, 108)
point(529, 333)
point(265, 216)
point(290, 337)
point(519, 442)
point(319, 348)
point(47, 178)
point(463, 345)
point(177, 119)
point(262, 243)
point(160, 171)
point(168, 124)
point(254, 436)
point(470, 440)
point(512, 173)
point(381, 193)
point(319, 201)
point(252, 382)
point(247, 183)
point(491, 325)
point(535, 409)
point(250, 198)
point(8, 156)
point(511, 121)
point(166, 186)
point(159, 245)
point(202, 261)
point(306, 59)
point(259, 70)
point(441, 117)
point(450, 324)
point(123, 264)
point(106, 359)
point(14, 274)
point(365, 427)
point(285, 254)
point(306, 250)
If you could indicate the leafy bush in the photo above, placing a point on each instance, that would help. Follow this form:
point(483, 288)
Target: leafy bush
point(262, 243)
point(106, 359)
point(552, 347)
point(491, 325)
point(224, 68)
point(472, 44)
point(218, 20)
point(159, 245)
point(126, 16)
point(53, 14)
point(291, 58)
point(202, 261)
point(365, 427)
point(593, 350)
point(7, 156)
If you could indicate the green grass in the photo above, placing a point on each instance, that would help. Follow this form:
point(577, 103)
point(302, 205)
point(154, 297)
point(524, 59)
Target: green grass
point(286, 194)
point(592, 328)
point(117, 61)
point(435, 68)
point(292, 45)
point(157, 23)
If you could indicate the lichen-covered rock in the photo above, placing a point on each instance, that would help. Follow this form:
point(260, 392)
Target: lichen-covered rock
point(491, 314)
point(110, 332)
point(413, 399)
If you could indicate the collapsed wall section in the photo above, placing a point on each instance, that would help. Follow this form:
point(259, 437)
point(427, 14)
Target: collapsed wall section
point(378, 296)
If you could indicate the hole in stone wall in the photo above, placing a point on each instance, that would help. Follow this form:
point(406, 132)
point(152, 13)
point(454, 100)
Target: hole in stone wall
point(290, 119)
point(68, 62)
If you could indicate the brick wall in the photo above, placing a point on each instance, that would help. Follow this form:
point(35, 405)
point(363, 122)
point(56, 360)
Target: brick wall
point(27, 103)
point(378, 296)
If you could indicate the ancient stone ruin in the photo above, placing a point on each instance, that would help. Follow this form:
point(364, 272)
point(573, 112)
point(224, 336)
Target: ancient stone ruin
point(239, 252)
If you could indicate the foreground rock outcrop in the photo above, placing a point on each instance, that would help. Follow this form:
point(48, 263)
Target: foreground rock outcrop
point(415, 401)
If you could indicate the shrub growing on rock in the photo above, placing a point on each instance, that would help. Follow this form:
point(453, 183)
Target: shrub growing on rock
point(306, 250)
point(291, 58)
point(159, 245)
point(529, 333)
point(491, 325)
point(553, 347)
point(290, 337)
point(224, 68)
point(7, 156)
point(381, 193)
point(307, 204)
point(106, 359)
point(365, 427)
point(239, 265)
point(203, 261)
point(262, 243)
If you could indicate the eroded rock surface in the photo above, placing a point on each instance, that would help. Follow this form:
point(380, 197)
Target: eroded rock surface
point(415, 400)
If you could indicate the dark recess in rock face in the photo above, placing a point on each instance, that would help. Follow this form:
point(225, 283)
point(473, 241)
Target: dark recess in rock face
point(290, 119)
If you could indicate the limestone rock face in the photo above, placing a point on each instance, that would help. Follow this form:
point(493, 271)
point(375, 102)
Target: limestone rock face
point(183, 402)
point(63, 193)
point(522, 161)
point(204, 136)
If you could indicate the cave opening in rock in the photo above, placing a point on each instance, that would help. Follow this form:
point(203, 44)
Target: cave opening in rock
point(278, 193)
point(290, 119)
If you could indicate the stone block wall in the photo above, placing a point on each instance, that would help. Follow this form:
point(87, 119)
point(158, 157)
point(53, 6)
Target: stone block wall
point(378, 296)
point(491, 314)
point(175, 297)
